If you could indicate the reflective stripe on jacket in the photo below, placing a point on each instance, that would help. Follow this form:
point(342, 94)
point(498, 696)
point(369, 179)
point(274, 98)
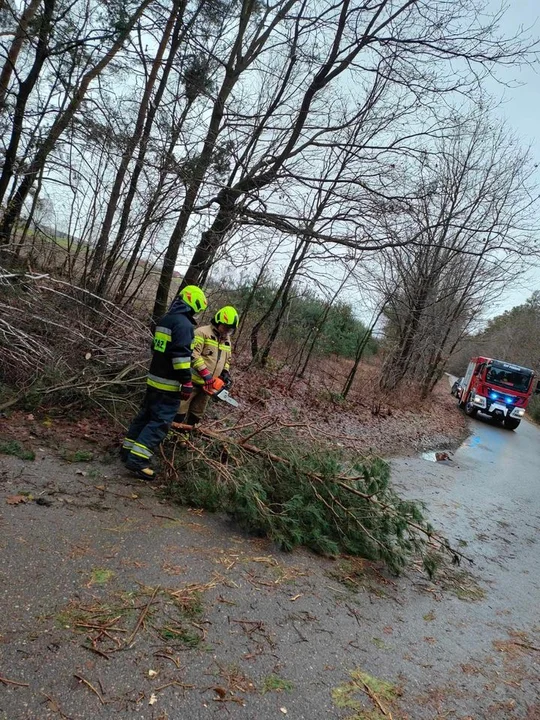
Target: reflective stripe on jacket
point(210, 352)
point(171, 349)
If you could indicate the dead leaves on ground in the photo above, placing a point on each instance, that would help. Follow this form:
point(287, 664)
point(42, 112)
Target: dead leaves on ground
point(18, 499)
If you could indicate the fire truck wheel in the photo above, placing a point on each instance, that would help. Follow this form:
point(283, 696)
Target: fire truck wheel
point(470, 409)
point(511, 423)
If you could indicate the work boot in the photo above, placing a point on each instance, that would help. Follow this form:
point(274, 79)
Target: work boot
point(145, 472)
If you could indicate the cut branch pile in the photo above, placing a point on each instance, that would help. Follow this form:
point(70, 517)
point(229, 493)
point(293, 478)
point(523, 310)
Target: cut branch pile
point(314, 496)
point(60, 340)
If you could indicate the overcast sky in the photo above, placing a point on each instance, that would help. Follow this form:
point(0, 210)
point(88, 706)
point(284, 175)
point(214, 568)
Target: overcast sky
point(521, 108)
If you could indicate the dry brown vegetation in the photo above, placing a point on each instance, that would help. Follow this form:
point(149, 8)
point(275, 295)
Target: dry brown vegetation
point(61, 349)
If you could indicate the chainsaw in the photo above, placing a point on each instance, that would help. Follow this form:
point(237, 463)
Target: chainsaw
point(218, 391)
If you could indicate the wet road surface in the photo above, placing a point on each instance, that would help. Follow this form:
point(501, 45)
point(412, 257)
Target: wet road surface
point(272, 635)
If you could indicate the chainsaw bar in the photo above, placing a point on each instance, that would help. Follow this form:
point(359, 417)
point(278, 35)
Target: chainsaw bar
point(224, 395)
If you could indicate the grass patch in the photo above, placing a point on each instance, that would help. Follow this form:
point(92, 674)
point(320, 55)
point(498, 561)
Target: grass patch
point(356, 574)
point(471, 594)
point(174, 618)
point(351, 573)
point(179, 634)
point(13, 447)
point(461, 584)
point(80, 616)
point(168, 614)
point(367, 697)
point(76, 456)
point(188, 603)
point(274, 683)
point(100, 576)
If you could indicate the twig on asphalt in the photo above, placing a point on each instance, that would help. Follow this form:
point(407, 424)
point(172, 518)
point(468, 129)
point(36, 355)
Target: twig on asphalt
point(104, 489)
point(303, 638)
point(184, 686)
point(6, 681)
point(89, 685)
point(55, 707)
point(369, 692)
point(142, 616)
point(96, 651)
point(525, 645)
point(175, 661)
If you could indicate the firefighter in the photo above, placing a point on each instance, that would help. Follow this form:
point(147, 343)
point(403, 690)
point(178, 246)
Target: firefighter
point(211, 359)
point(168, 381)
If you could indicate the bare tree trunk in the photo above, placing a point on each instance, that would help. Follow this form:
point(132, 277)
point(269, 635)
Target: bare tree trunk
point(14, 50)
point(174, 21)
point(362, 344)
point(251, 297)
point(320, 326)
point(281, 295)
point(28, 222)
point(236, 64)
point(212, 239)
point(58, 127)
point(25, 90)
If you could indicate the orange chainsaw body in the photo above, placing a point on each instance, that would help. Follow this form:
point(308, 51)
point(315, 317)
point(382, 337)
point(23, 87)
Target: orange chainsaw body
point(218, 390)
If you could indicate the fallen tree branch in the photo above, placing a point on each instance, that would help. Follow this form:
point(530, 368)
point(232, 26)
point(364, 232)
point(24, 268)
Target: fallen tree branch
point(303, 494)
point(441, 542)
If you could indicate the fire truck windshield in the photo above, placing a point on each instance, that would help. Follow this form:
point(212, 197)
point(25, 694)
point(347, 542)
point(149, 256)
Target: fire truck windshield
point(513, 379)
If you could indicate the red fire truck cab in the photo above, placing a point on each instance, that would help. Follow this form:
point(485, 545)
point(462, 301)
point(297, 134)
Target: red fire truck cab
point(497, 388)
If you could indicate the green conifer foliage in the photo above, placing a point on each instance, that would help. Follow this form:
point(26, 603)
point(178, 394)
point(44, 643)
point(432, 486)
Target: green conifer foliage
point(317, 497)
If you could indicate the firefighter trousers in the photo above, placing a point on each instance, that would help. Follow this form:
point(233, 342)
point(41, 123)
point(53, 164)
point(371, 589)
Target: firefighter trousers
point(150, 426)
point(195, 406)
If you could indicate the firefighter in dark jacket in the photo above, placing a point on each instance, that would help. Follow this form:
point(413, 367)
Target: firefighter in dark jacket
point(168, 382)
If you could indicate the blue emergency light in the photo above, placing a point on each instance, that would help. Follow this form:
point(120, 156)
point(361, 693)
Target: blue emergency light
point(495, 396)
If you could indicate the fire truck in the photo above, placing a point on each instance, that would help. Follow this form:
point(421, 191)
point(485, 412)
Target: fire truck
point(497, 388)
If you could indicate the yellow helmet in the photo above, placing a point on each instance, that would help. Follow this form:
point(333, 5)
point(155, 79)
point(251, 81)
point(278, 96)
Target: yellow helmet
point(194, 297)
point(227, 316)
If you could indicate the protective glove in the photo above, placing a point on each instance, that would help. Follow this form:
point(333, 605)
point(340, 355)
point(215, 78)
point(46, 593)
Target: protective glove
point(226, 377)
point(186, 390)
point(208, 379)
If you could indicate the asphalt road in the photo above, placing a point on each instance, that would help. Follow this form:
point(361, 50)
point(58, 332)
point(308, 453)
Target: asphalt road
point(269, 635)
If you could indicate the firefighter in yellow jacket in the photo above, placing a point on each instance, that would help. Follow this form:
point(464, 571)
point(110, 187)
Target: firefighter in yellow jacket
point(211, 358)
